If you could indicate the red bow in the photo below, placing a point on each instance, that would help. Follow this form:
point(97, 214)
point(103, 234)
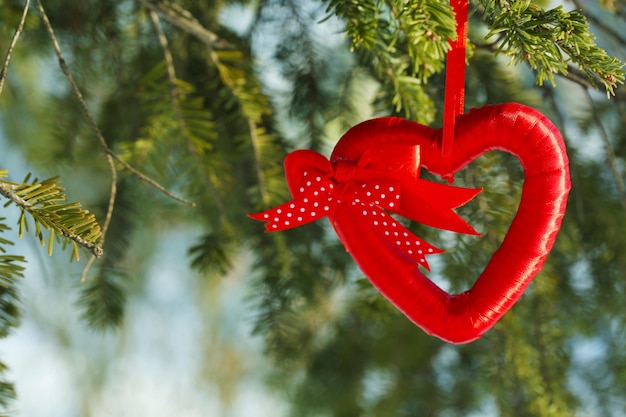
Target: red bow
point(384, 178)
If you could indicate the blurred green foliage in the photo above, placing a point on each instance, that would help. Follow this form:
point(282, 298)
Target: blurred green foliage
point(216, 125)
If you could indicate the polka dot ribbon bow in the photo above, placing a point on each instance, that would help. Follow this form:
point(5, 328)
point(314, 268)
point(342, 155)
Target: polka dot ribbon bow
point(384, 179)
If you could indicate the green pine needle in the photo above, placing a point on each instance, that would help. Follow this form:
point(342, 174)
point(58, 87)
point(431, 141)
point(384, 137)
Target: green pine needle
point(44, 202)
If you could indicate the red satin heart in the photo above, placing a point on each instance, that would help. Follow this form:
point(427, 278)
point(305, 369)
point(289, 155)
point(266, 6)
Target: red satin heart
point(517, 129)
point(362, 154)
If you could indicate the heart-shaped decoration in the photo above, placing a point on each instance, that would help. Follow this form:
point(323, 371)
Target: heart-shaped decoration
point(374, 169)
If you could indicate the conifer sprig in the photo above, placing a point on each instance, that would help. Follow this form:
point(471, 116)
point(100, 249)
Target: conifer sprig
point(44, 202)
point(10, 265)
point(408, 40)
point(549, 40)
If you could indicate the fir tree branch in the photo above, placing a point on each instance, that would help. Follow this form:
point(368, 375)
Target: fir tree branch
point(610, 152)
point(239, 84)
point(10, 267)
point(572, 74)
point(426, 28)
point(111, 156)
point(405, 46)
point(7, 190)
point(42, 200)
point(304, 66)
point(16, 35)
point(254, 139)
point(549, 40)
point(185, 21)
point(619, 36)
point(575, 198)
point(176, 105)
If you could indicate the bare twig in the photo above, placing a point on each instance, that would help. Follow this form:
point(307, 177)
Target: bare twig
point(83, 275)
point(83, 104)
point(185, 21)
point(107, 220)
point(111, 156)
point(171, 70)
point(7, 190)
point(16, 35)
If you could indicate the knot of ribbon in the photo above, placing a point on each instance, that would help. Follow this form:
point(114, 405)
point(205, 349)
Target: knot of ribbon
point(384, 179)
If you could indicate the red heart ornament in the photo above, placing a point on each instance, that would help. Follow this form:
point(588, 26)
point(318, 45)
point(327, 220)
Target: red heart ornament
point(374, 168)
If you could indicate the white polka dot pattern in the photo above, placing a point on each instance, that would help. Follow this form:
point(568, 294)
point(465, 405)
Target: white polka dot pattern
point(398, 235)
point(315, 200)
point(385, 194)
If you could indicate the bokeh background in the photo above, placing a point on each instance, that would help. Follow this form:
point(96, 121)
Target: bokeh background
point(194, 311)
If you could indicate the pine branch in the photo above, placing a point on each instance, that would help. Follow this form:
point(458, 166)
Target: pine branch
point(411, 38)
point(14, 38)
point(254, 105)
point(45, 202)
point(549, 40)
point(572, 74)
point(254, 140)
point(178, 112)
point(184, 143)
point(213, 253)
point(604, 26)
point(103, 293)
point(103, 300)
point(405, 42)
point(185, 21)
point(243, 86)
point(304, 63)
point(610, 152)
point(10, 265)
point(111, 156)
point(425, 26)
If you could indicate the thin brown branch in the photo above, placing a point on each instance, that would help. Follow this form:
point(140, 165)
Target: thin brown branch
point(107, 220)
point(16, 35)
point(83, 104)
point(185, 21)
point(83, 275)
point(111, 156)
point(7, 190)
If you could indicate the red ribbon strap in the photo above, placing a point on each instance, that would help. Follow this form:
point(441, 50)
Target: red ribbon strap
point(454, 99)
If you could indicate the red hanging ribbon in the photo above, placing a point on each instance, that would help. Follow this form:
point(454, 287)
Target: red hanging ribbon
point(454, 99)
